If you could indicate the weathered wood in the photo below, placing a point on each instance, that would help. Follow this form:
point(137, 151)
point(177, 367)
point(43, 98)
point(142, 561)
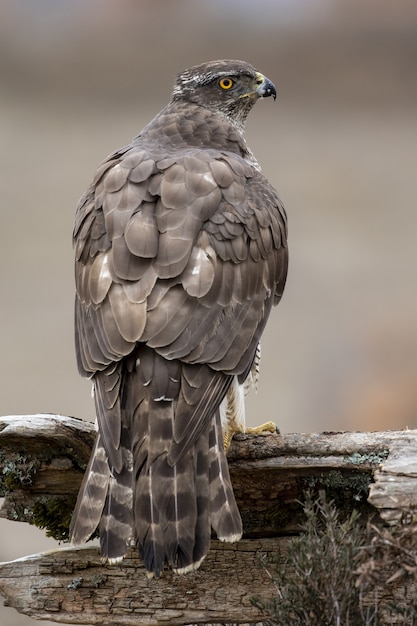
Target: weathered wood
point(72, 586)
point(395, 486)
point(42, 459)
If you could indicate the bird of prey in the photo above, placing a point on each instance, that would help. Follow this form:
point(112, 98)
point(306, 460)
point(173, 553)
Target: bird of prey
point(181, 252)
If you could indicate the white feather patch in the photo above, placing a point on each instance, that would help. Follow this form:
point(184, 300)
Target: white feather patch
point(232, 409)
point(189, 568)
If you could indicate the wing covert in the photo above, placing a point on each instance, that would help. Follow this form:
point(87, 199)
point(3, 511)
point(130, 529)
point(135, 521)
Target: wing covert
point(185, 255)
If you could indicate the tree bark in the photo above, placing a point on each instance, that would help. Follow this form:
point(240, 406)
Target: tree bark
point(72, 586)
point(42, 459)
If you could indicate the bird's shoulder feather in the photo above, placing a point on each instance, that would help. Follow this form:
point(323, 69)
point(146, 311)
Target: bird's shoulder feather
point(180, 251)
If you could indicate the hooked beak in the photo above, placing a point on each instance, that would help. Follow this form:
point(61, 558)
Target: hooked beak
point(266, 87)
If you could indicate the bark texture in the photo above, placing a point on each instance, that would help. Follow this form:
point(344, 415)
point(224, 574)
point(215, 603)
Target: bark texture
point(42, 459)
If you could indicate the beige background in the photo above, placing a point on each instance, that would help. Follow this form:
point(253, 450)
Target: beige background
point(80, 78)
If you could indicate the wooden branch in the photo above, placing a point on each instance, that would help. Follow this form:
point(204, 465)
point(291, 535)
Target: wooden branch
point(42, 459)
point(72, 586)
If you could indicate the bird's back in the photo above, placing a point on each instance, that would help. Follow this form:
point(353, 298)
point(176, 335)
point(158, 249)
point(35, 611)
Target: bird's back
point(180, 254)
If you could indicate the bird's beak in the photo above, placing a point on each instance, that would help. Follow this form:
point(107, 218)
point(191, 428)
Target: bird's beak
point(265, 87)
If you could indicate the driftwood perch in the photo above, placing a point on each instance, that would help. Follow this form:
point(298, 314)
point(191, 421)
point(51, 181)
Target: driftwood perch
point(42, 459)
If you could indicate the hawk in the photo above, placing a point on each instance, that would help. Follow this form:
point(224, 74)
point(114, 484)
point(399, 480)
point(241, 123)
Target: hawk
point(180, 254)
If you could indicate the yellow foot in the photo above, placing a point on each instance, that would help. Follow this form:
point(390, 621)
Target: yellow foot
point(268, 427)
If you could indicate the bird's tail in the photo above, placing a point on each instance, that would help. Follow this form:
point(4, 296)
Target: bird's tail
point(105, 501)
point(182, 484)
point(106, 495)
point(176, 505)
point(166, 506)
point(91, 495)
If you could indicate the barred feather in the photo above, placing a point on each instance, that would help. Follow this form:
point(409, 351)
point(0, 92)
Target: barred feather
point(91, 497)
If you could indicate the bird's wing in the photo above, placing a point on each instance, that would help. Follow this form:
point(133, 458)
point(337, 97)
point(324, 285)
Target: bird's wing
point(186, 254)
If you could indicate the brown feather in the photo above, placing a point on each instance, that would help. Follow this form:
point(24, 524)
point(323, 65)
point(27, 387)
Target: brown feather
point(91, 497)
point(224, 514)
point(180, 247)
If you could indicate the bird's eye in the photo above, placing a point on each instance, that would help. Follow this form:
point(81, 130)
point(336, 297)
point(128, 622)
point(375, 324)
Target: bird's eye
point(226, 83)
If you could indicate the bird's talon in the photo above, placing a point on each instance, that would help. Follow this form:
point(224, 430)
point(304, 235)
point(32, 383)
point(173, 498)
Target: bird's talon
point(268, 427)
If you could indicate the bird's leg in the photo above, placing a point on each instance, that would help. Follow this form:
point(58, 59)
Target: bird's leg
point(228, 435)
point(234, 407)
point(232, 412)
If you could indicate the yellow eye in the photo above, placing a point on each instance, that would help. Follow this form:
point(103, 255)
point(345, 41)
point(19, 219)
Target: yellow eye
point(226, 83)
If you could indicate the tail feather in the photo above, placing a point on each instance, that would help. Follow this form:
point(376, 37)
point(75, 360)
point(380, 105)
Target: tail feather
point(116, 524)
point(148, 528)
point(203, 527)
point(105, 497)
point(224, 514)
point(91, 496)
point(180, 513)
point(167, 508)
point(148, 453)
point(165, 502)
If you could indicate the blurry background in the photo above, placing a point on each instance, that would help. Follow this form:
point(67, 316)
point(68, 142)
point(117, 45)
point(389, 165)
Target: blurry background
point(80, 78)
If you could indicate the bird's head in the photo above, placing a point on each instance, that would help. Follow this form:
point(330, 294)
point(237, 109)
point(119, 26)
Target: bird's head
point(227, 87)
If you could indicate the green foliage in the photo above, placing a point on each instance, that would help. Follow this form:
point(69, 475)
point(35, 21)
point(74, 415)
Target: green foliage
point(339, 573)
point(314, 577)
point(347, 490)
point(387, 565)
point(54, 515)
